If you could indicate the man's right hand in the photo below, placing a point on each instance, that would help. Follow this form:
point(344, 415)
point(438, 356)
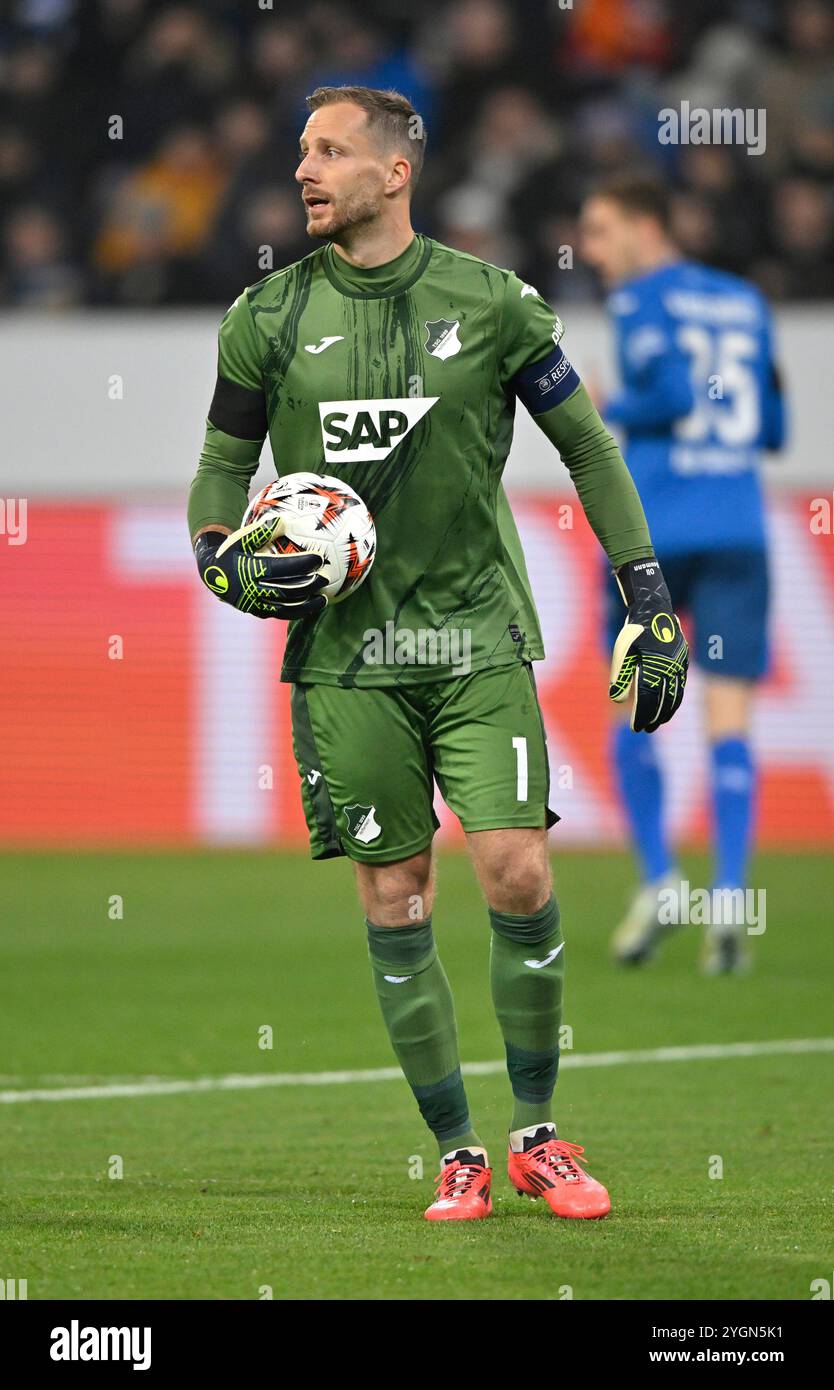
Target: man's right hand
point(270, 586)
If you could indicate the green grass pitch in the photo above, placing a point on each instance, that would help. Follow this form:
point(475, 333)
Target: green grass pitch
point(310, 1191)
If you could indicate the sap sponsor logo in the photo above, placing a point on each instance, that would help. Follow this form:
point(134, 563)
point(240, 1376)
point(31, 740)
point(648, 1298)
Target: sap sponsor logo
point(367, 431)
point(81, 1343)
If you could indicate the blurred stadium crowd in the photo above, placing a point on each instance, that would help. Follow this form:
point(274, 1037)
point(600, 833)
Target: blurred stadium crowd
point(527, 102)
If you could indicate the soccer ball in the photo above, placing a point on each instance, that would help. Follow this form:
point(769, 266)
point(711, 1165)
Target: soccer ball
point(323, 515)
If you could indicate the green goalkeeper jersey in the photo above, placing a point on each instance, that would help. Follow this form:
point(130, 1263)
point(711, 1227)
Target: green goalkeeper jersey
point(402, 380)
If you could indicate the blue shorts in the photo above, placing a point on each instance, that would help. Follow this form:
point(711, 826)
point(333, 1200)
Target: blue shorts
point(722, 599)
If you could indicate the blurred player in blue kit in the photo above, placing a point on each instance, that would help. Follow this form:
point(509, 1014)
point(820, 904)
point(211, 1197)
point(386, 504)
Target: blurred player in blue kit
point(698, 402)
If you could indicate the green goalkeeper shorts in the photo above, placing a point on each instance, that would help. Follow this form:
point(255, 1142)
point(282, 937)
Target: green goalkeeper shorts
point(368, 759)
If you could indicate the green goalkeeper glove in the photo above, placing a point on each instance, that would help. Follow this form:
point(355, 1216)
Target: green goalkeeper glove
point(651, 656)
point(280, 586)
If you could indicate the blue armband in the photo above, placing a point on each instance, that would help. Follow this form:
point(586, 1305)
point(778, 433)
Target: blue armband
point(546, 383)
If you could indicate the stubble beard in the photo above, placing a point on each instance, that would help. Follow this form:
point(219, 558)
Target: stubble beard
point(356, 212)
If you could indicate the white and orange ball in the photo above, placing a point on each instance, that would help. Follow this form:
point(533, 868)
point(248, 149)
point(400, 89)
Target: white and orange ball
point(322, 515)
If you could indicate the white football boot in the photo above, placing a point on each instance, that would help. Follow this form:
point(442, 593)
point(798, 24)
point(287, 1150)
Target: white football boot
point(724, 947)
point(641, 930)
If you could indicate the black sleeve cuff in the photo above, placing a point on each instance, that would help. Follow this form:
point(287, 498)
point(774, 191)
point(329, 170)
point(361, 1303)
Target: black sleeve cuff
point(238, 411)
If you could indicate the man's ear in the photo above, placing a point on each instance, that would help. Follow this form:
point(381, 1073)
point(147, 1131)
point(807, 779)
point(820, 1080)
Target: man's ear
point(398, 175)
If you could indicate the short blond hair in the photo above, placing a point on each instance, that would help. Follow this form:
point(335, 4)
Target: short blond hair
point(391, 117)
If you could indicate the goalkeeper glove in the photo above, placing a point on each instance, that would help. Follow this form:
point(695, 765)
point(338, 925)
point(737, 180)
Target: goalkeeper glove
point(651, 656)
point(280, 586)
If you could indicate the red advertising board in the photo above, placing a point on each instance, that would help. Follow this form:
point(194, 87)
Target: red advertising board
point(137, 710)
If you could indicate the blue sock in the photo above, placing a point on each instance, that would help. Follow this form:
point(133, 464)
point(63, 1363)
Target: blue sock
point(733, 785)
point(641, 789)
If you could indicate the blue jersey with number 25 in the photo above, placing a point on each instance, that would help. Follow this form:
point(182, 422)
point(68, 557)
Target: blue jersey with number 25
point(699, 401)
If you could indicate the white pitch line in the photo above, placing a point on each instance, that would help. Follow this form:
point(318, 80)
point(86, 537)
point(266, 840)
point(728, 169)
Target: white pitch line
point(156, 1086)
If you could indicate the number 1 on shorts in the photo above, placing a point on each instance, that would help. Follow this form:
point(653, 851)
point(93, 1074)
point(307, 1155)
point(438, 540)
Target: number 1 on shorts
point(520, 746)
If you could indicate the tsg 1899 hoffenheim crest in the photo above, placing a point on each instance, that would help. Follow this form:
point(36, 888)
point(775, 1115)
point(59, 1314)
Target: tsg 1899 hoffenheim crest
point(362, 823)
point(442, 338)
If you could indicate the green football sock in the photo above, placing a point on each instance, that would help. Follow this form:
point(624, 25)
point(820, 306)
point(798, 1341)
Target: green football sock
point(526, 977)
point(419, 1013)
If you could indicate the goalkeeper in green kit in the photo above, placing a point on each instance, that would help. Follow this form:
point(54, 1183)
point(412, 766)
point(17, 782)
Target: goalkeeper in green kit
point(394, 363)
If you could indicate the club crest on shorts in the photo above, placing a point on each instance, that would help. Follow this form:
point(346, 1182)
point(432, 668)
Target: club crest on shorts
point(362, 823)
point(442, 338)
